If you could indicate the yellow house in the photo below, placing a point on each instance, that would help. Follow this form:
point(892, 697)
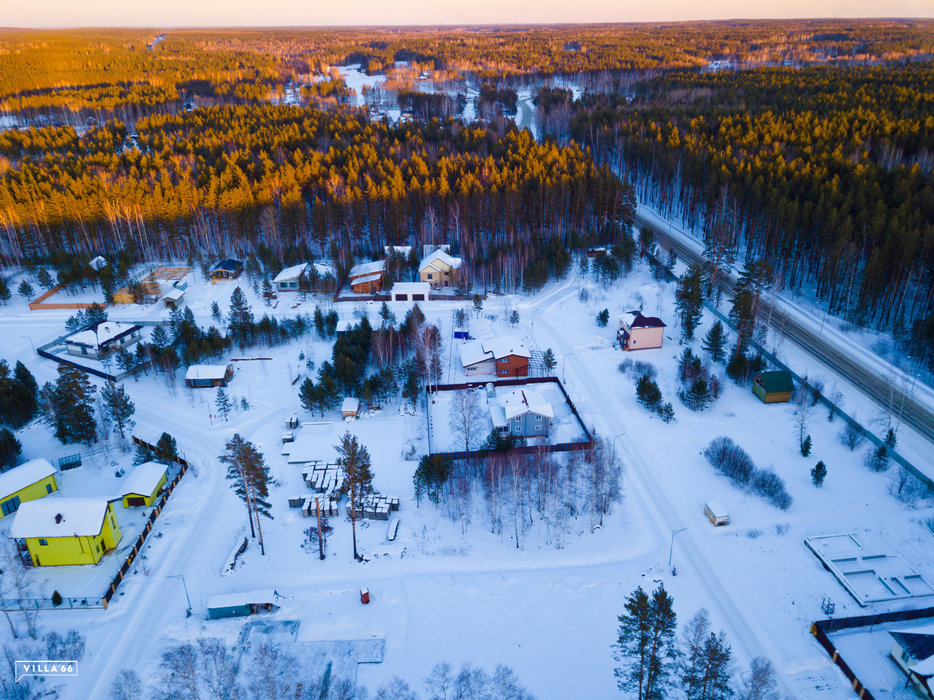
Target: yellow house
point(27, 482)
point(142, 487)
point(439, 269)
point(67, 531)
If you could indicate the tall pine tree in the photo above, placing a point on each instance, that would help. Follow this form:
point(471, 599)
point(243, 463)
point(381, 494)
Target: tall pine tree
point(646, 644)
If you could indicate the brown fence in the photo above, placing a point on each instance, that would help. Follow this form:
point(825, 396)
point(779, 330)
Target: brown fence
point(586, 444)
point(40, 305)
point(157, 509)
point(822, 628)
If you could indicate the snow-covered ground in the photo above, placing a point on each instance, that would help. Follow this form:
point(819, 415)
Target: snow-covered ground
point(453, 590)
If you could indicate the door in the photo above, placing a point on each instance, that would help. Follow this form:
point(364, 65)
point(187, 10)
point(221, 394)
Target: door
point(136, 501)
point(418, 297)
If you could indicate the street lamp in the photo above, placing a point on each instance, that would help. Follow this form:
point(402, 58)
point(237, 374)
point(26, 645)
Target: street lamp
point(32, 345)
point(672, 546)
point(187, 612)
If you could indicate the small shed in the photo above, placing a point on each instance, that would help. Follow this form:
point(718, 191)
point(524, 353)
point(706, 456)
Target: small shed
point(242, 604)
point(773, 387)
point(173, 298)
point(716, 513)
point(199, 376)
point(143, 485)
point(98, 263)
point(226, 270)
point(350, 407)
point(410, 291)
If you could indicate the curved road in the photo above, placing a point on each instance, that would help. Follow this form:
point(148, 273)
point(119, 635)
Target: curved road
point(876, 385)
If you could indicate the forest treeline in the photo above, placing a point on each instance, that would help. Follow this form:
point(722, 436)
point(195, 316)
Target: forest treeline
point(227, 178)
point(123, 74)
point(824, 173)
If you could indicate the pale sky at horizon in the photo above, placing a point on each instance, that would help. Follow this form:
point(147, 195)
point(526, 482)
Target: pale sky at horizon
point(272, 13)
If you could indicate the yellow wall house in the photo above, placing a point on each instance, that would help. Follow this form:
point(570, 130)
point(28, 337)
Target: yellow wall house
point(142, 487)
point(439, 269)
point(27, 482)
point(67, 531)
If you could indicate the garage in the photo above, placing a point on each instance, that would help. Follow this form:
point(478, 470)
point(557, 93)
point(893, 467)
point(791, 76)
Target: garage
point(410, 291)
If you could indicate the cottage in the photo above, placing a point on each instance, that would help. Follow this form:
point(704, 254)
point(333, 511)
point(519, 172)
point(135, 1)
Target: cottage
point(242, 604)
point(27, 482)
point(638, 332)
point(350, 407)
point(143, 485)
point(288, 279)
point(503, 357)
point(67, 531)
point(773, 387)
point(226, 270)
point(102, 338)
point(199, 376)
point(367, 278)
point(526, 412)
point(913, 652)
point(716, 513)
point(173, 297)
point(410, 291)
point(439, 269)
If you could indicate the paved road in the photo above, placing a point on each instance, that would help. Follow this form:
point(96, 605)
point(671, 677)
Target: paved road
point(877, 386)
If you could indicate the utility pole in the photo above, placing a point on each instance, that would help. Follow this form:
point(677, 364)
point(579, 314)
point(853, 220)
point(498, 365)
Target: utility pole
point(320, 531)
point(262, 549)
point(672, 546)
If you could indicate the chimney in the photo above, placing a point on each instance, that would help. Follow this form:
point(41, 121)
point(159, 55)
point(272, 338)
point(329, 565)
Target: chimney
point(58, 519)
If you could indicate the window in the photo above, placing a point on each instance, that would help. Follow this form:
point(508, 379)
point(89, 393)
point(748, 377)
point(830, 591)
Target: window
point(43, 542)
point(48, 488)
point(430, 276)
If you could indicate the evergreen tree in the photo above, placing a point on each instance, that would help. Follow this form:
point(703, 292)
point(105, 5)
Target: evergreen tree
point(319, 323)
point(806, 446)
point(18, 395)
point(889, 441)
point(10, 449)
point(166, 448)
point(477, 303)
point(818, 474)
point(247, 471)
point(45, 279)
point(118, 405)
point(878, 459)
point(549, 361)
point(697, 396)
point(267, 289)
point(308, 395)
point(222, 401)
point(69, 406)
point(5, 293)
point(715, 342)
point(647, 392)
point(354, 459)
point(689, 300)
point(646, 644)
point(25, 290)
point(431, 475)
point(603, 318)
point(240, 318)
point(514, 318)
point(216, 312)
point(715, 681)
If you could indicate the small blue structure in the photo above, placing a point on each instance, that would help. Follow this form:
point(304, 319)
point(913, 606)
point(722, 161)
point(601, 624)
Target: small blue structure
point(461, 335)
point(242, 604)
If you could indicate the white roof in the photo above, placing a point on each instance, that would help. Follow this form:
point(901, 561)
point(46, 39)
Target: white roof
point(103, 333)
point(229, 600)
point(439, 254)
point(83, 517)
point(290, 273)
point(206, 372)
point(174, 294)
point(24, 475)
point(422, 287)
point(368, 268)
point(520, 401)
point(925, 667)
point(143, 480)
point(324, 270)
point(350, 404)
point(472, 353)
point(405, 250)
point(498, 416)
point(503, 347)
point(98, 263)
point(717, 509)
point(366, 278)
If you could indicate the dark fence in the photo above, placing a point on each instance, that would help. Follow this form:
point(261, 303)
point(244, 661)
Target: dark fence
point(586, 444)
point(157, 509)
point(822, 628)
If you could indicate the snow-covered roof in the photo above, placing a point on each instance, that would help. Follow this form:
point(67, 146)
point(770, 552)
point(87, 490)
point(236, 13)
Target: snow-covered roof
point(447, 259)
point(24, 475)
point(635, 319)
point(98, 263)
point(520, 401)
point(717, 509)
point(924, 667)
point(143, 480)
point(498, 416)
point(473, 353)
point(82, 517)
point(324, 270)
point(367, 268)
point(206, 372)
point(174, 294)
point(102, 334)
point(504, 347)
point(417, 287)
point(290, 273)
point(232, 600)
point(350, 404)
point(366, 278)
point(404, 250)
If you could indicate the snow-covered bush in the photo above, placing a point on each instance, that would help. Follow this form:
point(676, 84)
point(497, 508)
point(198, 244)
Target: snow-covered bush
point(770, 486)
point(638, 367)
point(730, 459)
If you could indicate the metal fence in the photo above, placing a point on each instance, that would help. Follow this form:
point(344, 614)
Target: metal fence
point(28, 604)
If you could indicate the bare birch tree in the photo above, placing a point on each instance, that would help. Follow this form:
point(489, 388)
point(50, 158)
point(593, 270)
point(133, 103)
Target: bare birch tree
point(466, 416)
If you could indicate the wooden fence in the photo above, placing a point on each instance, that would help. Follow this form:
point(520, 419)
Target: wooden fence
point(586, 444)
point(40, 305)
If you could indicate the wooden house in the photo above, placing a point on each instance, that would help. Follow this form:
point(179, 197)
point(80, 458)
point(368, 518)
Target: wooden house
point(350, 407)
point(367, 278)
point(439, 269)
point(502, 357)
point(773, 387)
point(526, 412)
point(242, 604)
point(27, 482)
point(102, 338)
point(67, 531)
point(143, 485)
point(638, 332)
point(229, 269)
point(199, 376)
point(913, 652)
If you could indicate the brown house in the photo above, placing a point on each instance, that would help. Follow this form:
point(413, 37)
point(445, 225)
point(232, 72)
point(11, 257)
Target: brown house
point(503, 357)
point(367, 278)
point(638, 332)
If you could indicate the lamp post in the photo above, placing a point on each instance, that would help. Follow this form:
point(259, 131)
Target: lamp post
point(188, 611)
point(672, 546)
point(31, 344)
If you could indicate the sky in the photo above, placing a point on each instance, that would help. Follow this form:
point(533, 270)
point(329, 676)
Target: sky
point(214, 13)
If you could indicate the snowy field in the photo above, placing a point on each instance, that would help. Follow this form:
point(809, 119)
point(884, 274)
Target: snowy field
point(450, 588)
